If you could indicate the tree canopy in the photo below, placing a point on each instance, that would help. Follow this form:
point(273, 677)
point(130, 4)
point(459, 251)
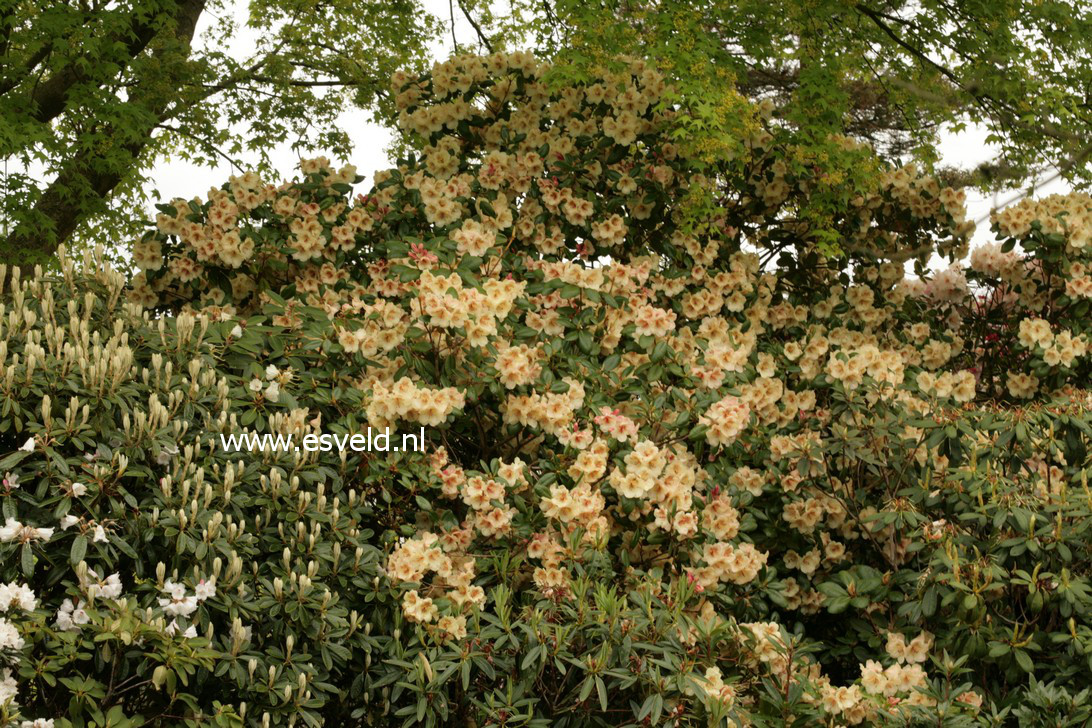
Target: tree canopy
point(96, 91)
point(888, 71)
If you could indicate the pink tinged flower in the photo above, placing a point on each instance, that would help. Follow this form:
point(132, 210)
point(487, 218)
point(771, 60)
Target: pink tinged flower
point(205, 589)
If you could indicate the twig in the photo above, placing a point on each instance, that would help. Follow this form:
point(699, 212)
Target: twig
point(482, 38)
point(451, 9)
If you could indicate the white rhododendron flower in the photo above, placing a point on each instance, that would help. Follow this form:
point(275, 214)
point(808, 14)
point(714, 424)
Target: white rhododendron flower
point(10, 639)
point(8, 687)
point(96, 587)
point(71, 616)
point(17, 595)
point(13, 530)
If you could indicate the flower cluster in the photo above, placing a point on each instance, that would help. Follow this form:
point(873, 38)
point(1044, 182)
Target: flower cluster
point(14, 597)
point(663, 390)
point(404, 400)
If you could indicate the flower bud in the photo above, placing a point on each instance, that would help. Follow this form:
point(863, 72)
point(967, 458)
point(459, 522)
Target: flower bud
point(427, 667)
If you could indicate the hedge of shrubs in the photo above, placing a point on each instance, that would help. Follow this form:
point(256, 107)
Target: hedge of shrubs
point(691, 460)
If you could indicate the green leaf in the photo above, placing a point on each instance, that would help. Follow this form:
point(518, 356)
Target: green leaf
point(79, 549)
point(26, 560)
point(929, 602)
point(586, 688)
point(10, 461)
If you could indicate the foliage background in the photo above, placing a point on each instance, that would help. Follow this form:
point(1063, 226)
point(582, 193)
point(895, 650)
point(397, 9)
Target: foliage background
point(839, 473)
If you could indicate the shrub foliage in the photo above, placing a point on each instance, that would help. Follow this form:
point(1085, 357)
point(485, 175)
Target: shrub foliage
point(692, 458)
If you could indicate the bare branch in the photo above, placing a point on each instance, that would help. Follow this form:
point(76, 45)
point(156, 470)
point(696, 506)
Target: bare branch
point(451, 9)
point(482, 38)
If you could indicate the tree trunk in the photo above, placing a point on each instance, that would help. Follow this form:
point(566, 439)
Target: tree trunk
point(88, 178)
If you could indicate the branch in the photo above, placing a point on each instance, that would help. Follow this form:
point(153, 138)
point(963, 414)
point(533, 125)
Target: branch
point(451, 9)
point(477, 28)
point(204, 142)
point(290, 82)
point(30, 65)
point(981, 99)
point(318, 82)
point(233, 81)
point(877, 19)
point(50, 98)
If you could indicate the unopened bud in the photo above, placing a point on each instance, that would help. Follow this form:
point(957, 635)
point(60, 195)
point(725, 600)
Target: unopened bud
point(427, 667)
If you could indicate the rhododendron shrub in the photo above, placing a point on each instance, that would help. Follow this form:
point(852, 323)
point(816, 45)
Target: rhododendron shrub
point(688, 460)
point(157, 578)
